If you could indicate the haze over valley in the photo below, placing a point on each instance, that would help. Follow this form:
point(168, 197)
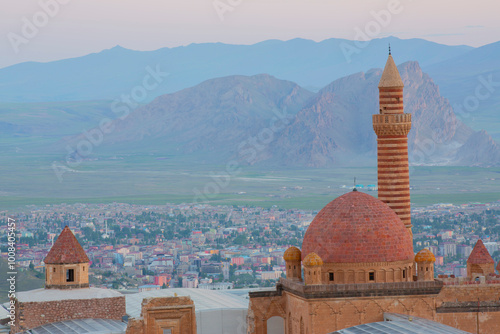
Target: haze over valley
point(170, 119)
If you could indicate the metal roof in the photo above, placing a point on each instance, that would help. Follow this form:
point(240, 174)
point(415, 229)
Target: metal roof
point(47, 295)
point(399, 323)
point(82, 326)
point(217, 311)
point(204, 300)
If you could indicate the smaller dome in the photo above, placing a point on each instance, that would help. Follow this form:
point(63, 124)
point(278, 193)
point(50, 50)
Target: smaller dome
point(425, 255)
point(292, 254)
point(313, 259)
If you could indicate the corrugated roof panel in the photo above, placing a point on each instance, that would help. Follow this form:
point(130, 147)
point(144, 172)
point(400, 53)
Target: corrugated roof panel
point(82, 326)
point(400, 323)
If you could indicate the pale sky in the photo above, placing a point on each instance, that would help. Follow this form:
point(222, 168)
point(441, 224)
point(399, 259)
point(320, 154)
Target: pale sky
point(79, 27)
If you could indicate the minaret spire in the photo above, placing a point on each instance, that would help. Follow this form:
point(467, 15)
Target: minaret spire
point(389, 49)
point(392, 126)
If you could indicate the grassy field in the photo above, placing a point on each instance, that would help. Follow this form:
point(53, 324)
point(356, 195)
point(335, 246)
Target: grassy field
point(145, 179)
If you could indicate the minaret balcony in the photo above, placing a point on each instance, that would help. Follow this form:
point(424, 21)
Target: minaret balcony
point(392, 125)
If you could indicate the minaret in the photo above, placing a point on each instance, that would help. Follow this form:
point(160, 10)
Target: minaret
point(392, 126)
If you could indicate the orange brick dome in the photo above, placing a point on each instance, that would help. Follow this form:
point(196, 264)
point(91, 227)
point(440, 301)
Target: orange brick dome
point(292, 254)
point(425, 255)
point(358, 228)
point(312, 259)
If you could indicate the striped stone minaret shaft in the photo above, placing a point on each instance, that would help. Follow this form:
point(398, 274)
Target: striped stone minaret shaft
point(392, 126)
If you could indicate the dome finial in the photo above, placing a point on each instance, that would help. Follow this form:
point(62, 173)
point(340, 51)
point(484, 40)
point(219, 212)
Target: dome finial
point(354, 187)
point(389, 49)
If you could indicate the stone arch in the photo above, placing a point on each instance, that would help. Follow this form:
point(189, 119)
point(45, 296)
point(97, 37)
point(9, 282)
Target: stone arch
point(339, 277)
point(323, 311)
point(360, 276)
point(349, 315)
point(373, 312)
point(262, 309)
point(390, 275)
point(397, 275)
point(421, 308)
point(323, 308)
point(381, 276)
point(350, 276)
point(406, 305)
point(395, 306)
point(275, 308)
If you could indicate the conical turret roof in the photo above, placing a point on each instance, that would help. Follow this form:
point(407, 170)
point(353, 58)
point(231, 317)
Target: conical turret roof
point(480, 254)
point(66, 250)
point(390, 76)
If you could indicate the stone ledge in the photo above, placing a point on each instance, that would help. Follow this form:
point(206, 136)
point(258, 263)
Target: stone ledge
point(67, 286)
point(362, 289)
point(464, 307)
point(273, 293)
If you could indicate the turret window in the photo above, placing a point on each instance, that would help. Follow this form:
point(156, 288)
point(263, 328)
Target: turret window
point(331, 277)
point(371, 276)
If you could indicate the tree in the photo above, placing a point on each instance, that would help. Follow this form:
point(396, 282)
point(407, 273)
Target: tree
point(240, 240)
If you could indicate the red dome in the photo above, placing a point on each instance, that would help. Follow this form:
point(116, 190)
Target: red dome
point(358, 228)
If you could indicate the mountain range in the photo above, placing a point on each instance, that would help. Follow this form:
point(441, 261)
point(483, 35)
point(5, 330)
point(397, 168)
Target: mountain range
point(261, 120)
point(112, 72)
point(312, 107)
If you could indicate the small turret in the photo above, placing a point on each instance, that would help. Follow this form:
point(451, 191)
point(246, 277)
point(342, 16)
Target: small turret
point(292, 257)
point(480, 262)
point(66, 264)
point(312, 269)
point(425, 265)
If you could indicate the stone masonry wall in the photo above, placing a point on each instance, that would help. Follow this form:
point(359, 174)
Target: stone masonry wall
point(474, 308)
point(34, 314)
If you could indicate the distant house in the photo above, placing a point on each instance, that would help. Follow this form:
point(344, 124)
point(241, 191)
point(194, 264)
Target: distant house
point(149, 287)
